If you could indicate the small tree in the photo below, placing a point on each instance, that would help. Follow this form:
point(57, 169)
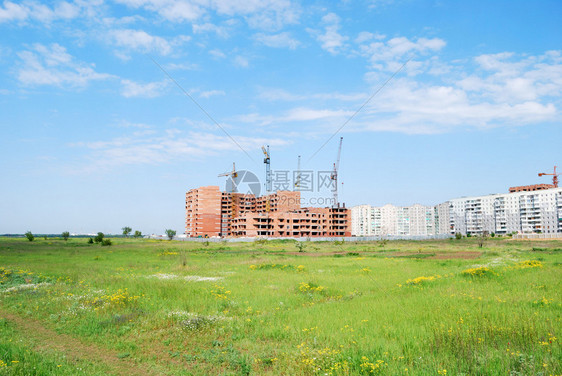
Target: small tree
point(90, 241)
point(458, 236)
point(65, 235)
point(29, 236)
point(482, 239)
point(99, 237)
point(301, 246)
point(126, 230)
point(138, 234)
point(170, 233)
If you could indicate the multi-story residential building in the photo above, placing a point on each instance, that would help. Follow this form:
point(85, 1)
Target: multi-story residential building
point(415, 220)
point(522, 211)
point(210, 212)
point(442, 218)
point(530, 209)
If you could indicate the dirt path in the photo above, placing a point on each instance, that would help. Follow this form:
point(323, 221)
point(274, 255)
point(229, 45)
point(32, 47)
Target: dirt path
point(73, 348)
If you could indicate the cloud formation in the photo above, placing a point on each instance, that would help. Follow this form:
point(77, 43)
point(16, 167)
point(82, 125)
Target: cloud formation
point(330, 39)
point(164, 147)
point(148, 90)
point(53, 65)
point(264, 14)
point(281, 40)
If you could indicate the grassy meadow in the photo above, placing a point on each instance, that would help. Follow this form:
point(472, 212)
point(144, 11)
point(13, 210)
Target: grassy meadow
point(153, 307)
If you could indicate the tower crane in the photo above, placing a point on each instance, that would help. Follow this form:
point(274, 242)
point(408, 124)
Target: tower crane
point(334, 175)
point(267, 161)
point(233, 175)
point(554, 177)
point(298, 177)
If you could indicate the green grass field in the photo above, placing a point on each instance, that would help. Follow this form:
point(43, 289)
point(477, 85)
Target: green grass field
point(180, 308)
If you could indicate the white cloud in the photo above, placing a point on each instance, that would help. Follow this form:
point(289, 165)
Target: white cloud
point(33, 10)
point(283, 95)
point(241, 61)
point(149, 90)
point(281, 40)
point(139, 40)
point(264, 14)
point(505, 90)
point(165, 147)
point(412, 107)
point(220, 31)
point(389, 55)
point(505, 78)
point(171, 10)
point(53, 65)
point(331, 40)
point(211, 93)
point(181, 66)
point(365, 36)
point(297, 115)
point(217, 54)
point(12, 11)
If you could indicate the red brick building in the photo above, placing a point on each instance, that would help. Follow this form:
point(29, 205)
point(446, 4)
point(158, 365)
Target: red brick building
point(530, 188)
point(210, 212)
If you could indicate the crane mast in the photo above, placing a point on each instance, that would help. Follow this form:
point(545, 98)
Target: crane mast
point(298, 177)
point(334, 175)
point(267, 162)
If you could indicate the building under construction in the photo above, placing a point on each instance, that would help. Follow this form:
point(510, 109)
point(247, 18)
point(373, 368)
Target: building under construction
point(212, 213)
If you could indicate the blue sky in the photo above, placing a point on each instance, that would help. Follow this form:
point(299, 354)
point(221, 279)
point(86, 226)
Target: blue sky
point(95, 136)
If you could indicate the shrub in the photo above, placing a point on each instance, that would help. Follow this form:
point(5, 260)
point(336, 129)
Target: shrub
point(301, 246)
point(137, 234)
point(458, 236)
point(65, 235)
point(29, 236)
point(99, 237)
point(106, 242)
point(90, 241)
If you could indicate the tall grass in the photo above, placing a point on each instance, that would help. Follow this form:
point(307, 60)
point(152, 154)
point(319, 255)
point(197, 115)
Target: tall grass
point(259, 308)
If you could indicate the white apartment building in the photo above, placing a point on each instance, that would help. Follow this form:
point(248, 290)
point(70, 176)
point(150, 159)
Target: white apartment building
point(522, 212)
point(391, 220)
